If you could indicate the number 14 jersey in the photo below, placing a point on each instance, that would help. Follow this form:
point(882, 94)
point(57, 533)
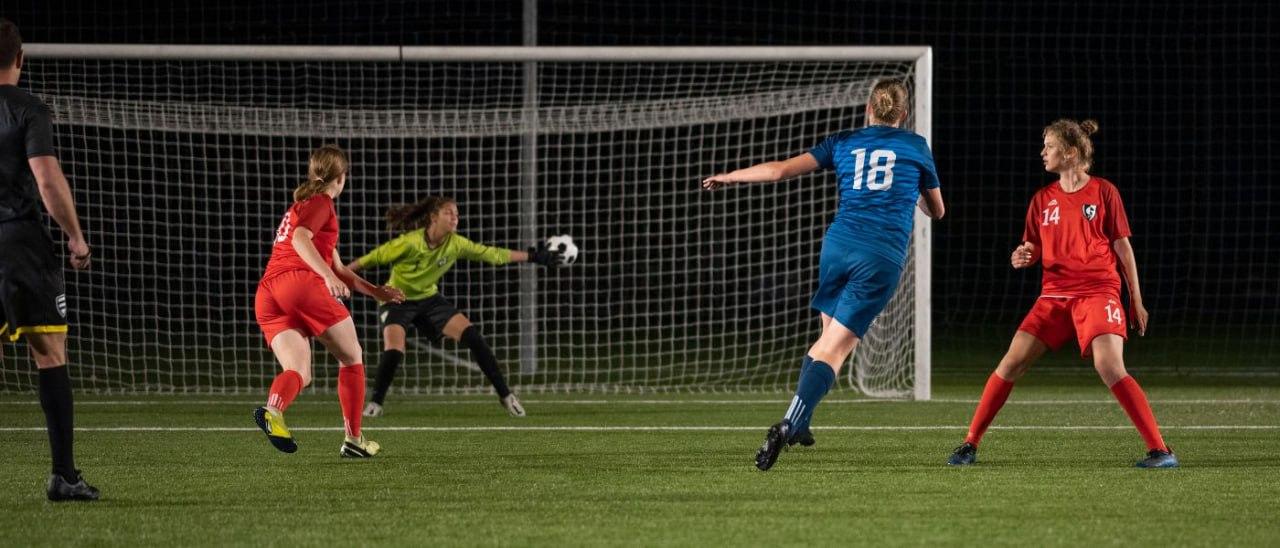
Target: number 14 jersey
point(1074, 232)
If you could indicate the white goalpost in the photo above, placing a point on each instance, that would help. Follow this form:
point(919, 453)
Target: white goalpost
point(183, 159)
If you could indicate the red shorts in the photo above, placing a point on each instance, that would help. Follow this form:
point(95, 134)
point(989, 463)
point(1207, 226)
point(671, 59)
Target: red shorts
point(296, 300)
point(1054, 320)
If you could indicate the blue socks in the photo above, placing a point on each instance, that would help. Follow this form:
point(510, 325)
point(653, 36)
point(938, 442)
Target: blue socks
point(816, 379)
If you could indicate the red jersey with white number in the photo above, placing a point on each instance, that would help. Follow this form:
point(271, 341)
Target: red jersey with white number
point(319, 216)
point(1074, 232)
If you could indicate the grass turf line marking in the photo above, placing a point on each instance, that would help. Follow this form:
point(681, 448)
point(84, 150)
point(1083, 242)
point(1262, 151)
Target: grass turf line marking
point(486, 401)
point(615, 428)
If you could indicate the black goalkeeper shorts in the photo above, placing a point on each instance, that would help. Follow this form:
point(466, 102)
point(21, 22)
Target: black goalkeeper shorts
point(429, 315)
point(33, 296)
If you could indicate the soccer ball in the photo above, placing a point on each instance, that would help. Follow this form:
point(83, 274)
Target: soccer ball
point(564, 244)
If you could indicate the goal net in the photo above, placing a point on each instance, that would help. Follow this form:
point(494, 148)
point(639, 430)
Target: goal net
point(183, 161)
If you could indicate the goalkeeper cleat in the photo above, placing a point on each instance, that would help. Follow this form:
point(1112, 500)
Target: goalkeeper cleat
point(59, 489)
point(803, 437)
point(360, 448)
point(1159, 459)
point(512, 405)
point(373, 410)
point(773, 444)
point(964, 455)
point(278, 434)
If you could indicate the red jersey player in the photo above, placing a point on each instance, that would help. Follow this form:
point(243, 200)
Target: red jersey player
point(1077, 229)
point(298, 298)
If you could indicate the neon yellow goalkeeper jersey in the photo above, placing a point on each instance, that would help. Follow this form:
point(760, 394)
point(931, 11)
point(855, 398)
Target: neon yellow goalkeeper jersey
point(416, 268)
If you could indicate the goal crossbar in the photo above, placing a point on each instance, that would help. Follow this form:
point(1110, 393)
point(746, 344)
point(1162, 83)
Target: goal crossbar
point(476, 54)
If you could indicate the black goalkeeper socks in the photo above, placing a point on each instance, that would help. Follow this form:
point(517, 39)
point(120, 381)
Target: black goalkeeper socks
point(484, 357)
point(55, 399)
point(387, 366)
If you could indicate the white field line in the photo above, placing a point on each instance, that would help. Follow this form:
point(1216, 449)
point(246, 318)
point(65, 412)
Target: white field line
point(418, 401)
point(622, 428)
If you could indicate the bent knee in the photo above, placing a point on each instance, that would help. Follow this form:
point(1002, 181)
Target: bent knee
point(1013, 367)
point(470, 334)
point(1111, 371)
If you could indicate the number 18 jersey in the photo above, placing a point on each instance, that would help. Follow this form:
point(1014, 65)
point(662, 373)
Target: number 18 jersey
point(880, 171)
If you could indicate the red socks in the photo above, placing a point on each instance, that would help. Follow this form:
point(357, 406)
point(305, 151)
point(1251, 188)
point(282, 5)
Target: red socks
point(351, 396)
point(284, 389)
point(993, 398)
point(1134, 402)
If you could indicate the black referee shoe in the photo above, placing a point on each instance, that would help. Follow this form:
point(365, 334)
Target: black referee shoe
point(60, 489)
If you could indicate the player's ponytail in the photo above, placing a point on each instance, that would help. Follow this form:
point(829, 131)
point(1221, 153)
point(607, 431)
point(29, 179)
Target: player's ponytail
point(406, 217)
point(889, 101)
point(327, 164)
point(1073, 134)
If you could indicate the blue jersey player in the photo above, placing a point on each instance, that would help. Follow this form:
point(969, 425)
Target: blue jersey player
point(882, 172)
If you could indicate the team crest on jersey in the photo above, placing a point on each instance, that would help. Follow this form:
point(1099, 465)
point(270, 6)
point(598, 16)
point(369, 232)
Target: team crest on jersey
point(1090, 211)
point(61, 303)
point(441, 261)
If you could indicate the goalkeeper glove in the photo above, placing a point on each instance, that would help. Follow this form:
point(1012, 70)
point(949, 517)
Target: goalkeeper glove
point(543, 255)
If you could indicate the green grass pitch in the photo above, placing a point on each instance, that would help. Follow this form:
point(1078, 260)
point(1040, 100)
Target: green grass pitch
point(663, 470)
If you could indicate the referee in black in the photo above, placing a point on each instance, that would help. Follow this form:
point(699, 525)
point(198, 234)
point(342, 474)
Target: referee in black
point(33, 300)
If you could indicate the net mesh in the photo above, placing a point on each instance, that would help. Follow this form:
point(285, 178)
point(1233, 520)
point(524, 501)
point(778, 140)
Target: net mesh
point(182, 170)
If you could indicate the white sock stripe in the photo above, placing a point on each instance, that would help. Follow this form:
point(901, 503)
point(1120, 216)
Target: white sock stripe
point(795, 401)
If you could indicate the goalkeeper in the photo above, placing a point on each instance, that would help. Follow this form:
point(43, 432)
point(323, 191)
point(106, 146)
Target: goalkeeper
point(426, 249)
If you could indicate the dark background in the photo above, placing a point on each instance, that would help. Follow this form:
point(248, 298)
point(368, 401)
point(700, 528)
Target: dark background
point(1185, 94)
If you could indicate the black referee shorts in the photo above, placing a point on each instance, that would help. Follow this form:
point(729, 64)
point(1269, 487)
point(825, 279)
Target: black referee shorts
point(33, 296)
point(429, 315)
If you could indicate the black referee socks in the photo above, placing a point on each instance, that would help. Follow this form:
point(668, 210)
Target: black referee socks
point(55, 399)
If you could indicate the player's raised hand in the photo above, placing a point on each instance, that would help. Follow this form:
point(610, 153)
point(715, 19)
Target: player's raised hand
point(336, 287)
point(386, 293)
point(716, 181)
point(542, 254)
point(79, 253)
point(1138, 317)
point(1023, 255)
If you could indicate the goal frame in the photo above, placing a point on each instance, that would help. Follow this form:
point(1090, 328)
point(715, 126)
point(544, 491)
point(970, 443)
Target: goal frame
point(920, 56)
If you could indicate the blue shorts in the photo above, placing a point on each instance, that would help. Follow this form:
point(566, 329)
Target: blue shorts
point(854, 285)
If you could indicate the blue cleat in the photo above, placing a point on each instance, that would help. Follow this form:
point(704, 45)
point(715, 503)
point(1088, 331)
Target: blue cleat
point(1158, 459)
point(964, 455)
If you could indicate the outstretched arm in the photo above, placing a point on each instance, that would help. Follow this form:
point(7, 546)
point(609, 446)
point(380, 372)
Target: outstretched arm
point(360, 285)
point(767, 172)
point(1129, 265)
